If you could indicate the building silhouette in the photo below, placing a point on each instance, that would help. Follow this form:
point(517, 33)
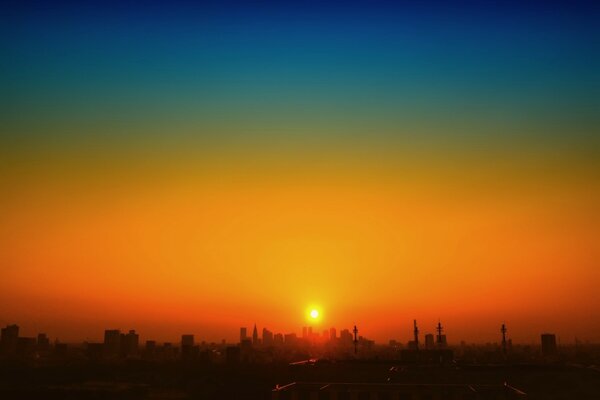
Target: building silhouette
point(188, 351)
point(290, 339)
point(503, 330)
point(278, 339)
point(355, 340)
point(26, 347)
point(130, 343)
point(187, 340)
point(255, 336)
point(429, 343)
point(150, 349)
point(346, 338)
point(549, 344)
point(43, 343)
point(416, 335)
point(440, 338)
point(267, 337)
point(112, 342)
point(243, 334)
point(9, 339)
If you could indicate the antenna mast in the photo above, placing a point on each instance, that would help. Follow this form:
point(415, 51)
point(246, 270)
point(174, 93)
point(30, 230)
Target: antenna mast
point(416, 333)
point(355, 330)
point(439, 330)
point(503, 330)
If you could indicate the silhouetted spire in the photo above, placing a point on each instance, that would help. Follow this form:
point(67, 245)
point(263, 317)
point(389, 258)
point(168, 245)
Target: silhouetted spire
point(355, 330)
point(416, 333)
point(255, 335)
point(503, 330)
point(439, 330)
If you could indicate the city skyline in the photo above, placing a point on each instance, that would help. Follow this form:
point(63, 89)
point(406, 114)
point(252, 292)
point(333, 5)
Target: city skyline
point(308, 332)
point(183, 166)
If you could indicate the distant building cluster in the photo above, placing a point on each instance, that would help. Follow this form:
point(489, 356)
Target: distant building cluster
point(260, 346)
point(13, 345)
point(325, 342)
point(434, 351)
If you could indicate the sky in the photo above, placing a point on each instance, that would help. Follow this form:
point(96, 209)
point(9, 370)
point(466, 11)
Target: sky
point(194, 167)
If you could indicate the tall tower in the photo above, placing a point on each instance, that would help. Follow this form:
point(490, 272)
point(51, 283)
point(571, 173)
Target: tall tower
point(439, 330)
point(416, 333)
point(355, 330)
point(503, 330)
point(255, 336)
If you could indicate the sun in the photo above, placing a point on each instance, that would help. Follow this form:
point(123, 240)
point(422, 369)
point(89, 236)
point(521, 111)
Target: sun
point(313, 314)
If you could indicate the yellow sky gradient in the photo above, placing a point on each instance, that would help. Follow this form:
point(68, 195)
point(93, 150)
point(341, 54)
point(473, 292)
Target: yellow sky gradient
point(205, 244)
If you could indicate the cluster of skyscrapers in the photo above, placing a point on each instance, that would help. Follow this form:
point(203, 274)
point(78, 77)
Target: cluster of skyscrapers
point(11, 344)
point(309, 336)
point(123, 345)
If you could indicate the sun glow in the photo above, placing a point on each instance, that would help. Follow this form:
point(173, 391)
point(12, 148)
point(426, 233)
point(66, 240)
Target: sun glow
point(313, 314)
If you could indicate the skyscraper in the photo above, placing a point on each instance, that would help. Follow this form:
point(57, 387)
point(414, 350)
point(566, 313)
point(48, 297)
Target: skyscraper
point(112, 342)
point(429, 344)
point(290, 339)
point(267, 337)
point(549, 344)
point(503, 330)
point(255, 336)
point(130, 343)
point(187, 346)
point(278, 339)
point(187, 340)
point(243, 334)
point(345, 337)
point(9, 339)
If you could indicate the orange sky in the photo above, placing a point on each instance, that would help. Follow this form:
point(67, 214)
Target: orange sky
point(188, 246)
